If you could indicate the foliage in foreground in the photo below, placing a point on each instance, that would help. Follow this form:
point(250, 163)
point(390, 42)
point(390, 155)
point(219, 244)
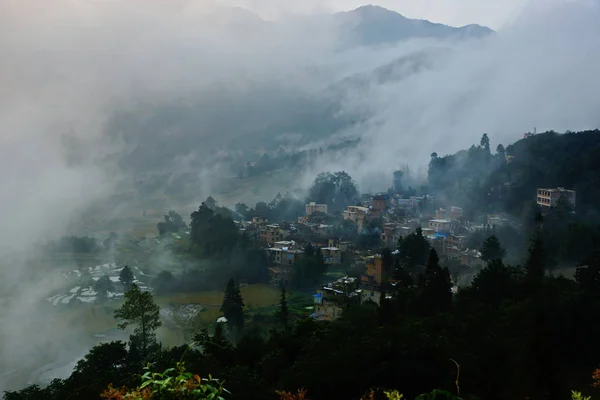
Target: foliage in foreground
point(174, 383)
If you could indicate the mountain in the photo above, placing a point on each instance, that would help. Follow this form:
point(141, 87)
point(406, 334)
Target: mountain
point(374, 25)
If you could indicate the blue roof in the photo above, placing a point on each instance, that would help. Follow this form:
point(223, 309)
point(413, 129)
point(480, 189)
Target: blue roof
point(318, 295)
point(313, 315)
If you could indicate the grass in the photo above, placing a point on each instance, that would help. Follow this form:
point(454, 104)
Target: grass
point(254, 296)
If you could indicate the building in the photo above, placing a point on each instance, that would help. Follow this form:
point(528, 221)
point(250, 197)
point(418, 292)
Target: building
point(313, 207)
point(392, 232)
point(456, 213)
point(331, 255)
point(279, 276)
point(357, 214)
point(284, 257)
point(471, 258)
point(447, 245)
point(379, 204)
point(322, 229)
point(550, 197)
point(439, 224)
point(259, 220)
point(330, 300)
point(272, 233)
point(372, 280)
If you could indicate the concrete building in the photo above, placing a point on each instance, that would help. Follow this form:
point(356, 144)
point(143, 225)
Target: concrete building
point(392, 232)
point(379, 204)
point(550, 197)
point(313, 207)
point(331, 255)
point(259, 220)
point(439, 224)
point(322, 229)
point(358, 215)
point(330, 300)
point(272, 233)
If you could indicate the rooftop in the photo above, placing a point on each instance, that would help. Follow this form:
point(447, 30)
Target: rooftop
point(357, 208)
point(440, 221)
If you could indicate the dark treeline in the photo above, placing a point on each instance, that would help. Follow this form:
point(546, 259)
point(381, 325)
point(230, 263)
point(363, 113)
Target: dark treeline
point(516, 333)
point(507, 180)
point(484, 183)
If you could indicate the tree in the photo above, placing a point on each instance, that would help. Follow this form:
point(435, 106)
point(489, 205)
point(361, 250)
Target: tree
point(126, 277)
point(283, 313)
point(164, 282)
point(212, 233)
point(102, 286)
point(436, 287)
point(139, 309)
point(233, 307)
point(535, 266)
point(414, 249)
point(106, 363)
point(397, 186)
point(242, 210)
point(588, 275)
point(501, 150)
point(485, 142)
point(210, 203)
point(492, 250)
point(337, 190)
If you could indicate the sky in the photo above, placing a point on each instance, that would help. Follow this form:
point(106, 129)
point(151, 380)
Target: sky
point(491, 13)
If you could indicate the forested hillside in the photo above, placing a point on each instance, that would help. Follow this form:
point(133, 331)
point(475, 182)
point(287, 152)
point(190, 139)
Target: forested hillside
point(507, 180)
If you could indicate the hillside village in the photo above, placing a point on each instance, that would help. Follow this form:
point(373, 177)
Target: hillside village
point(390, 218)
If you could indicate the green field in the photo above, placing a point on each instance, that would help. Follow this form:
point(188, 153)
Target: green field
point(254, 296)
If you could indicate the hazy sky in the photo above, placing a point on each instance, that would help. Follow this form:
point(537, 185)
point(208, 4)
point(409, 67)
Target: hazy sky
point(492, 13)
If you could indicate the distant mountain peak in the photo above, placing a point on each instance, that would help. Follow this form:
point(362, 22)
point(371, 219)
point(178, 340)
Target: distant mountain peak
point(372, 25)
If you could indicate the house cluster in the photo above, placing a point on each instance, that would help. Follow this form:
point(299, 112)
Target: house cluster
point(330, 300)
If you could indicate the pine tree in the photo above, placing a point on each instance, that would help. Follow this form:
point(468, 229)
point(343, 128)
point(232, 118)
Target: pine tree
point(126, 277)
point(139, 309)
point(436, 287)
point(492, 250)
point(283, 313)
point(233, 307)
point(102, 286)
point(536, 262)
point(485, 142)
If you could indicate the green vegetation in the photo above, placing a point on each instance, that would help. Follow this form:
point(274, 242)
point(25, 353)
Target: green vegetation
point(139, 309)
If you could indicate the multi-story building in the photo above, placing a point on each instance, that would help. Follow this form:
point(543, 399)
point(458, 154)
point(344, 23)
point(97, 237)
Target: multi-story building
point(272, 233)
point(372, 281)
point(392, 232)
point(259, 220)
point(456, 213)
point(550, 197)
point(322, 229)
point(313, 207)
point(282, 258)
point(379, 204)
point(358, 215)
point(331, 255)
point(440, 224)
point(330, 300)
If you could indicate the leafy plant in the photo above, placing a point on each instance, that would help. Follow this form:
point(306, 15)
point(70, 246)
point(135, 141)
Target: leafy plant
point(300, 395)
point(578, 396)
point(172, 384)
